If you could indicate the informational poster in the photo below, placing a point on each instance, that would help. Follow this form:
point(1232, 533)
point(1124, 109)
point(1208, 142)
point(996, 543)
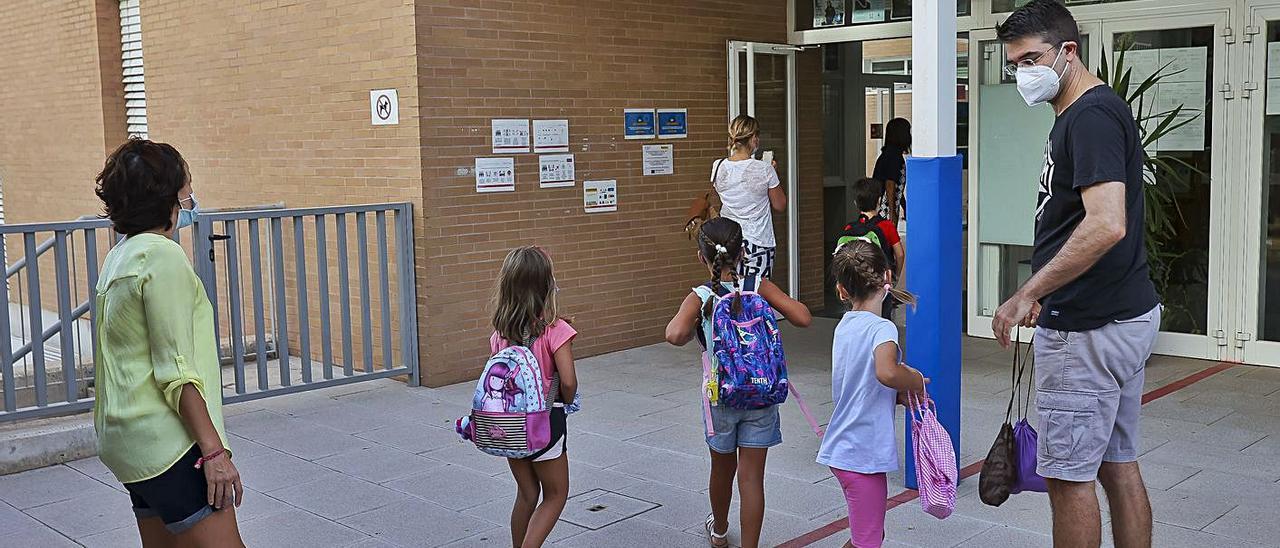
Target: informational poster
point(384, 107)
point(868, 11)
point(510, 136)
point(600, 196)
point(495, 174)
point(1273, 60)
point(1185, 64)
point(555, 170)
point(1142, 62)
point(1191, 97)
point(828, 13)
point(639, 123)
point(673, 123)
point(659, 159)
point(1273, 96)
point(550, 136)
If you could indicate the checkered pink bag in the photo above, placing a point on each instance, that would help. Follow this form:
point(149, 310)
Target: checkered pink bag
point(936, 472)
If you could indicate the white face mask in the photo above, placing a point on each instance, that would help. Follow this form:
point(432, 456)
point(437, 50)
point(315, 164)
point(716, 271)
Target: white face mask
point(1039, 84)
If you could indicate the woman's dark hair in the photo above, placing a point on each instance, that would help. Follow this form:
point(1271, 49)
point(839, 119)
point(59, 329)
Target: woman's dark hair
point(720, 241)
point(139, 186)
point(897, 133)
point(859, 267)
point(1047, 19)
point(867, 193)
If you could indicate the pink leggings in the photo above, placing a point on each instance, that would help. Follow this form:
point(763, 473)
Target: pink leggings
point(867, 496)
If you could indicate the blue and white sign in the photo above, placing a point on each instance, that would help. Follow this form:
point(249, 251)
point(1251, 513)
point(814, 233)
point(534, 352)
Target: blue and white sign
point(673, 123)
point(639, 123)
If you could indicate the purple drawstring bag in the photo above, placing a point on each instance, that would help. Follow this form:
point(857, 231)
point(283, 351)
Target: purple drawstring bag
point(1025, 476)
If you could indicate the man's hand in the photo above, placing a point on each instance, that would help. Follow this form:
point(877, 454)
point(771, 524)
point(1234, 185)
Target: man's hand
point(1018, 310)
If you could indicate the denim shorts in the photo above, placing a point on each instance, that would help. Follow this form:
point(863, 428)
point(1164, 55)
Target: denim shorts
point(734, 428)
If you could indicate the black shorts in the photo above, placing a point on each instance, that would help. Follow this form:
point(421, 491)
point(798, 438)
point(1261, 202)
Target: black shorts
point(559, 438)
point(179, 496)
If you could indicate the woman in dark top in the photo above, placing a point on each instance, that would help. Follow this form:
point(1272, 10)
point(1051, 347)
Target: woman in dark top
point(891, 167)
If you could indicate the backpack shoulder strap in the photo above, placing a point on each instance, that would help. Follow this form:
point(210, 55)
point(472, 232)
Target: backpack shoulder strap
point(804, 409)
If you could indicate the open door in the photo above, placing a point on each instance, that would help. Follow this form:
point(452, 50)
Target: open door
point(762, 84)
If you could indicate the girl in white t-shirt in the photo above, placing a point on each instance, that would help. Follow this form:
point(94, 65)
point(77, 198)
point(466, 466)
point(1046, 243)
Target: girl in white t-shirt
point(866, 379)
point(749, 194)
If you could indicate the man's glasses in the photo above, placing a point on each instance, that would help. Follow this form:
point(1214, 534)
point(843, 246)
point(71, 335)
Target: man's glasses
point(1012, 69)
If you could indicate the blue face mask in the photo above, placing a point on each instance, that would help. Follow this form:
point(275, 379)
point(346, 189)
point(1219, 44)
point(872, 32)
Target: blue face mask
point(188, 216)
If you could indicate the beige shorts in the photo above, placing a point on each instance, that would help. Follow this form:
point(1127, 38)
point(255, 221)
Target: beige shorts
point(1089, 395)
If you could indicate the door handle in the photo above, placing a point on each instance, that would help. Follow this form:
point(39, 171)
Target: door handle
point(216, 238)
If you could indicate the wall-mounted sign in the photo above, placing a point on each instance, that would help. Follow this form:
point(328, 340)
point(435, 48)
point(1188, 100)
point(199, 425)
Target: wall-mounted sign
point(550, 136)
point(828, 13)
point(600, 196)
point(510, 136)
point(659, 159)
point(673, 123)
point(639, 123)
point(555, 170)
point(495, 174)
point(384, 107)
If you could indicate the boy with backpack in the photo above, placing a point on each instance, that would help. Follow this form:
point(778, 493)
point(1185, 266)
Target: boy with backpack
point(870, 226)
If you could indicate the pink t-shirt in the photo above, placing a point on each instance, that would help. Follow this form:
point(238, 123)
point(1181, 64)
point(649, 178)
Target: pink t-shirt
point(544, 348)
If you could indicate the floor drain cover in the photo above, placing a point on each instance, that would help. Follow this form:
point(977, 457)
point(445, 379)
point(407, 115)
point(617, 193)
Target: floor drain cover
point(599, 508)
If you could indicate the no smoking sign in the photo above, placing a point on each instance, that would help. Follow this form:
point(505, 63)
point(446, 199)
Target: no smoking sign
point(384, 107)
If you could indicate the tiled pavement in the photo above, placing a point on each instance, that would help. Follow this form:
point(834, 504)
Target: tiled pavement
point(377, 464)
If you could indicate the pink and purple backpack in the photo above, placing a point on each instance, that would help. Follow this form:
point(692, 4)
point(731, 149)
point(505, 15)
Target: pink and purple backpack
point(510, 414)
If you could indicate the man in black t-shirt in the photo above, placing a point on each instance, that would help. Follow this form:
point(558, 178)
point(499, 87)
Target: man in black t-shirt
point(1091, 298)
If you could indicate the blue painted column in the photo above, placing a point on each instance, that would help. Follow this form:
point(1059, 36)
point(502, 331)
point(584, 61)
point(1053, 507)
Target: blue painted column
point(935, 274)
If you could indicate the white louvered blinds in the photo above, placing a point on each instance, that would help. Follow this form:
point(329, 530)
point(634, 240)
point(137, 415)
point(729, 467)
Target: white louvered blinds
point(135, 91)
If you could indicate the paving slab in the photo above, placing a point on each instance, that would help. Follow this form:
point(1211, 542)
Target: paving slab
point(418, 523)
point(42, 486)
point(338, 497)
point(85, 515)
point(297, 529)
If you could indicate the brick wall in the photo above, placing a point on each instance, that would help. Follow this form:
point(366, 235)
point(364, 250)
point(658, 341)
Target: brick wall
point(622, 274)
point(269, 103)
point(61, 105)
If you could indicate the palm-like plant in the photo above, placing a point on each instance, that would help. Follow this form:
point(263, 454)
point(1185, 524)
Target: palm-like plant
point(1166, 176)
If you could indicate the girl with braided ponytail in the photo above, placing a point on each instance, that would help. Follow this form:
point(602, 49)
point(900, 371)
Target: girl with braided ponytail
point(742, 437)
point(866, 378)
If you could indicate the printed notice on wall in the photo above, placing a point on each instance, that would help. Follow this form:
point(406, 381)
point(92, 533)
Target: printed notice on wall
point(510, 136)
point(673, 123)
point(550, 136)
point(1185, 64)
point(495, 174)
point(659, 159)
point(555, 170)
point(638, 123)
point(828, 13)
point(868, 11)
point(1273, 60)
point(384, 107)
point(600, 196)
point(1273, 96)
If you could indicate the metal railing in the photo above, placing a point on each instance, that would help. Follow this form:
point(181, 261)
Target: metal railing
point(234, 252)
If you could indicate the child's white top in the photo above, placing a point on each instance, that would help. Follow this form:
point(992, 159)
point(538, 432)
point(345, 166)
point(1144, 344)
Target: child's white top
point(743, 186)
point(860, 437)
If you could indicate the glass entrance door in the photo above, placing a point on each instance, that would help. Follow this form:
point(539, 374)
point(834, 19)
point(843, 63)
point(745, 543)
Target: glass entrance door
point(1187, 221)
point(762, 84)
point(1256, 340)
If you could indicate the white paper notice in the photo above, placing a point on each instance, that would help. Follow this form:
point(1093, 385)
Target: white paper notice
point(1273, 60)
point(600, 196)
point(495, 174)
point(1191, 97)
point(1142, 62)
point(510, 136)
point(659, 159)
point(1185, 64)
point(1273, 96)
point(555, 170)
point(551, 136)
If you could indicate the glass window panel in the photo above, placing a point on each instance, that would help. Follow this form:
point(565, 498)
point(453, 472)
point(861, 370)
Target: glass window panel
point(1269, 278)
point(1006, 6)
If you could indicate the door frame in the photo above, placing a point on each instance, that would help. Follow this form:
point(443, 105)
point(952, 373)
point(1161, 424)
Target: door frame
point(1246, 342)
point(792, 167)
point(1212, 345)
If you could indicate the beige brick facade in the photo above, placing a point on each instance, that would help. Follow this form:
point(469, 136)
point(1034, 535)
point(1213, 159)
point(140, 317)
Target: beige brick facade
point(269, 102)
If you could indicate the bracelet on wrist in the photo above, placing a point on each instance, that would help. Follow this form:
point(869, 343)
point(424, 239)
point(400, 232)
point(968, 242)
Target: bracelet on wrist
point(200, 462)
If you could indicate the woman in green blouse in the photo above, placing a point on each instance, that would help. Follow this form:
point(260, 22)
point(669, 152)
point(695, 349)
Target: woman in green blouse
point(158, 411)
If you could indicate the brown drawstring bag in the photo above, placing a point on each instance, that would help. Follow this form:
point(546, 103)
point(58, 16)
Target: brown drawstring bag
point(705, 206)
point(1000, 470)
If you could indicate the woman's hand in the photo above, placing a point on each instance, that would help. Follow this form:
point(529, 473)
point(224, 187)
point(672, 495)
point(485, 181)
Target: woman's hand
point(223, 481)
